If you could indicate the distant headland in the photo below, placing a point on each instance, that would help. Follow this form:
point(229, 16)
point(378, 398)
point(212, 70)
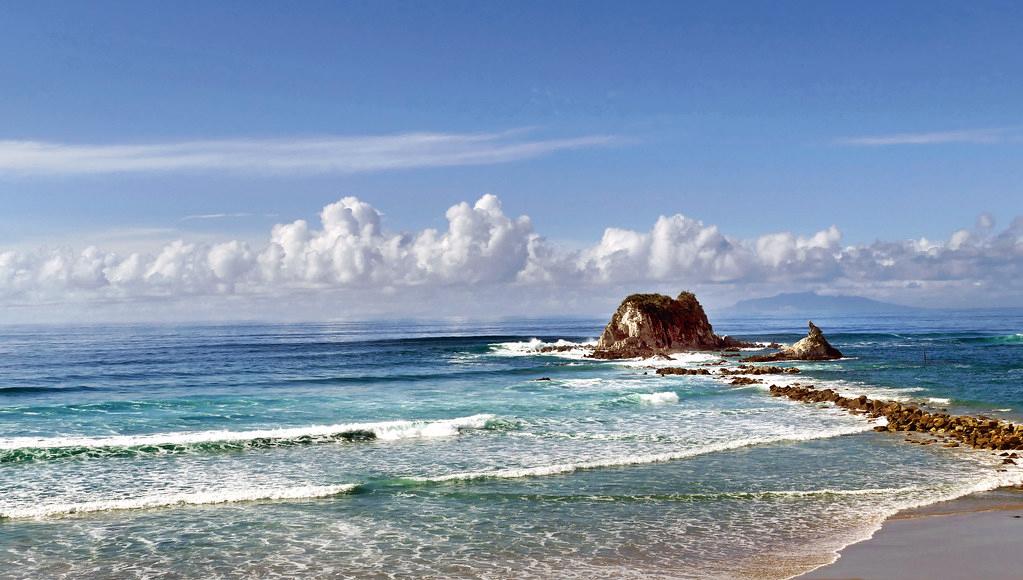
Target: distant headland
point(808, 304)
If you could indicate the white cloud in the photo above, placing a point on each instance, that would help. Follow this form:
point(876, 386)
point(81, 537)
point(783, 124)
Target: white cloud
point(352, 154)
point(484, 252)
point(978, 136)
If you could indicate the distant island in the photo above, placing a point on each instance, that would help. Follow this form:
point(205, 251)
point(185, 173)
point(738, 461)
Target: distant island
point(655, 325)
point(812, 303)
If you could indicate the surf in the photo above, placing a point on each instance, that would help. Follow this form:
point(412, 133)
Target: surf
point(18, 449)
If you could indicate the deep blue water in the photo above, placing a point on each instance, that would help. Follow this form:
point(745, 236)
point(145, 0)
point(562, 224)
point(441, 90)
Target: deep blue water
point(406, 449)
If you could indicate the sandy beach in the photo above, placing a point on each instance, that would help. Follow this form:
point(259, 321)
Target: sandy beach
point(977, 536)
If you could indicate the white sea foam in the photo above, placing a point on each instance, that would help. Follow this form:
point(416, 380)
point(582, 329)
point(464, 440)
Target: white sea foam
point(533, 347)
point(842, 387)
point(385, 430)
point(164, 500)
point(938, 400)
point(677, 359)
point(664, 398)
point(581, 383)
point(582, 350)
point(623, 461)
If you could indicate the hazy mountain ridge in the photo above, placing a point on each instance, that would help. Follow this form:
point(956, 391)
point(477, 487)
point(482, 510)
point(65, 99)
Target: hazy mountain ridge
point(813, 303)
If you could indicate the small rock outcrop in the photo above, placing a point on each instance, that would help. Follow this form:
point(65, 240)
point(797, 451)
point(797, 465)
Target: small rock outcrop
point(812, 347)
point(557, 348)
point(742, 381)
point(645, 325)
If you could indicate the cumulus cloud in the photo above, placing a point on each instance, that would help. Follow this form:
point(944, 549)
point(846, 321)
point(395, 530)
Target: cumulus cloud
point(482, 248)
point(353, 154)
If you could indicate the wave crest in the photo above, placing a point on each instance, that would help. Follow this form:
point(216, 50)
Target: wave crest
point(664, 398)
point(18, 449)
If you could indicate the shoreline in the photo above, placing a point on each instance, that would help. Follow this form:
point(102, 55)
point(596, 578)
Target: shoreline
point(973, 536)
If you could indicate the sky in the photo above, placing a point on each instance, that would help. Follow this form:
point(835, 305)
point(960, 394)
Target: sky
point(338, 160)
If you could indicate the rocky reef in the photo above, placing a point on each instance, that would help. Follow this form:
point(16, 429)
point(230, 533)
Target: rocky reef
point(740, 370)
point(646, 325)
point(979, 432)
point(681, 371)
point(742, 381)
point(812, 347)
point(559, 348)
point(752, 370)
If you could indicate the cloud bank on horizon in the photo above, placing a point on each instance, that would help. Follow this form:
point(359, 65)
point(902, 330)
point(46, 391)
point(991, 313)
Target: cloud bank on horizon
point(483, 249)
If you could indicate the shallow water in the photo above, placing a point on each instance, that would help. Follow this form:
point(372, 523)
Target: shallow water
point(246, 450)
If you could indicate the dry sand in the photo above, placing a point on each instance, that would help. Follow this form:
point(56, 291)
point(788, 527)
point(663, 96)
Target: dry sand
point(975, 537)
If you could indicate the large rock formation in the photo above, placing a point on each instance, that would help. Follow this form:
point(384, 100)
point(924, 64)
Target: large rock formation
point(813, 347)
point(651, 324)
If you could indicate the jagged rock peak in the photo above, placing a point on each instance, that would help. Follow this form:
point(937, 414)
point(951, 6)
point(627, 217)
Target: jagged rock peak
point(812, 347)
point(648, 324)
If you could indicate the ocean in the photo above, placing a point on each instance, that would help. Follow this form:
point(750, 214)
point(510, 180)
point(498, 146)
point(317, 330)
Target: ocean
point(411, 449)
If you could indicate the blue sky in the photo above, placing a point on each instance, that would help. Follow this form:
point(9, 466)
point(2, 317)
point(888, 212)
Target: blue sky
point(891, 121)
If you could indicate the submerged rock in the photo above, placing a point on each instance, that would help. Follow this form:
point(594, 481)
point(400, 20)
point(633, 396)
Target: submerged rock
point(359, 435)
point(645, 325)
point(812, 347)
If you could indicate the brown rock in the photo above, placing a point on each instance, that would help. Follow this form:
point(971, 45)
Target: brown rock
point(813, 347)
point(681, 371)
point(649, 324)
point(745, 381)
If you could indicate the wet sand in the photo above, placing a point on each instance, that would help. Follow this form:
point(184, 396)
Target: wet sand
point(978, 536)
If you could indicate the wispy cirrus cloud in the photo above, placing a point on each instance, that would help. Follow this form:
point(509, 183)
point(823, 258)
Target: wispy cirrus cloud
point(221, 216)
point(978, 136)
point(344, 154)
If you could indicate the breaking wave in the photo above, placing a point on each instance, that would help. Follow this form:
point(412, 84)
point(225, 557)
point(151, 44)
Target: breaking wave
point(535, 347)
point(664, 398)
point(17, 449)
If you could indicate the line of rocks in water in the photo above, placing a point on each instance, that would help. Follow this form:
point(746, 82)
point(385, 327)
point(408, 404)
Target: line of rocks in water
point(763, 370)
point(979, 432)
point(741, 370)
point(681, 371)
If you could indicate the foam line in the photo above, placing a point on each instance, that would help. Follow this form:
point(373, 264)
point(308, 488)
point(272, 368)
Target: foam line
point(164, 500)
point(622, 461)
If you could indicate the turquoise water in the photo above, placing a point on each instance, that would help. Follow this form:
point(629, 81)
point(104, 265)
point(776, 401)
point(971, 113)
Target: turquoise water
point(411, 449)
